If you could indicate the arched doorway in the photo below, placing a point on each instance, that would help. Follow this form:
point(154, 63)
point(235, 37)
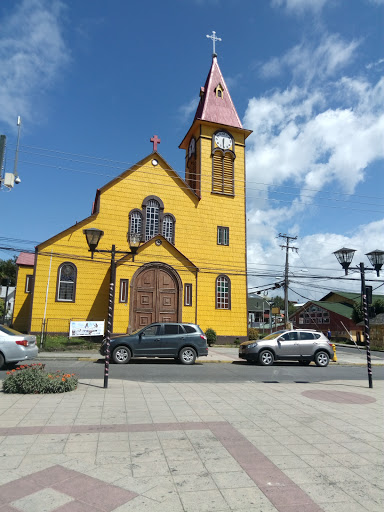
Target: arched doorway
point(155, 295)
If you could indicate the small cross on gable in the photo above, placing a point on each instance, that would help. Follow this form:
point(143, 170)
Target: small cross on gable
point(155, 139)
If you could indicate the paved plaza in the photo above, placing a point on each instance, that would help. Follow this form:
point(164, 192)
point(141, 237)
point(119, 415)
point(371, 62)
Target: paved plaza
point(194, 447)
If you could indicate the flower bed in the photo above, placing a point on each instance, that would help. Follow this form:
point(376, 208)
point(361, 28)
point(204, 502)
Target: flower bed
point(32, 378)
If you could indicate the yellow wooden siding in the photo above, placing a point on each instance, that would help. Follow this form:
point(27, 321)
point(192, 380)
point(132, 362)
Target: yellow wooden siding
point(22, 306)
point(195, 237)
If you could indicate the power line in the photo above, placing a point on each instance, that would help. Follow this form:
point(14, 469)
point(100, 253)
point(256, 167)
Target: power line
point(128, 165)
point(186, 187)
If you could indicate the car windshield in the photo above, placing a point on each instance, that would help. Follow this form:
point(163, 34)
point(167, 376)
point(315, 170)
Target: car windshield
point(273, 335)
point(8, 330)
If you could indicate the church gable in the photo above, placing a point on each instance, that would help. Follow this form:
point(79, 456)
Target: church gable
point(151, 170)
point(159, 247)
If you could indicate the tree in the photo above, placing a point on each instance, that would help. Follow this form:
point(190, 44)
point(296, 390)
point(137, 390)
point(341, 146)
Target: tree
point(357, 313)
point(278, 302)
point(376, 308)
point(8, 270)
point(379, 306)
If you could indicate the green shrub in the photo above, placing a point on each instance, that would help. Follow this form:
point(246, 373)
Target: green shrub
point(28, 379)
point(253, 333)
point(211, 337)
point(236, 342)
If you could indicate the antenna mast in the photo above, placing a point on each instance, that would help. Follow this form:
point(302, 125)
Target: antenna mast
point(17, 147)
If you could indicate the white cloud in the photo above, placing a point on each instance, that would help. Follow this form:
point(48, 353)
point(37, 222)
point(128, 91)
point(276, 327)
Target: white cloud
point(300, 5)
point(316, 256)
point(322, 134)
point(376, 64)
point(32, 52)
point(309, 61)
point(296, 137)
point(188, 109)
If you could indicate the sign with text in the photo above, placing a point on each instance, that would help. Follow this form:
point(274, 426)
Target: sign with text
point(275, 311)
point(86, 328)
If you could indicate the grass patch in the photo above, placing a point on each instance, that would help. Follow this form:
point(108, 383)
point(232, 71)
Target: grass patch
point(63, 343)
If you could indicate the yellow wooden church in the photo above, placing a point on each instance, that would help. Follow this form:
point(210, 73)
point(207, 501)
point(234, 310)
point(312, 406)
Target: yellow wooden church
point(190, 265)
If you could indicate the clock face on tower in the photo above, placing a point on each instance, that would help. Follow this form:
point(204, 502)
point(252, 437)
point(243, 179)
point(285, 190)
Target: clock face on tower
point(223, 140)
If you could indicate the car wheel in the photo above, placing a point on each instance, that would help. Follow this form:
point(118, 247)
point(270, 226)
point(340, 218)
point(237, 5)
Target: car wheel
point(305, 363)
point(266, 358)
point(121, 355)
point(2, 361)
point(187, 355)
point(321, 359)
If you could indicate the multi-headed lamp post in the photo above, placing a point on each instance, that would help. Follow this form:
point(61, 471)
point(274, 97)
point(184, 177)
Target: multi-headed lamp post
point(376, 258)
point(93, 237)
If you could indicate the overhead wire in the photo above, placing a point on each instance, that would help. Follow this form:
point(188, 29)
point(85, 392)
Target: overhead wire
point(129, 165)
point(133, 164)
point(186, 187)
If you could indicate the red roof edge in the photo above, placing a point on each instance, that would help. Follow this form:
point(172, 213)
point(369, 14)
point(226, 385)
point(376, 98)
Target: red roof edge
point(26, 258)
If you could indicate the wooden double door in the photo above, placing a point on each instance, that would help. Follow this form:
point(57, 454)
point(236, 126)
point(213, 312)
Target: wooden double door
point(155, 297)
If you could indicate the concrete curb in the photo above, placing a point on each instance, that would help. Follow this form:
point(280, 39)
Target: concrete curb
point(200, 361)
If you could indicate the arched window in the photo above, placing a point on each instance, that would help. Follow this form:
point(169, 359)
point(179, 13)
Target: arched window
point(223, 292)
point(152, 219)
point(135, 222)
point(66, 282)
point(168, 228)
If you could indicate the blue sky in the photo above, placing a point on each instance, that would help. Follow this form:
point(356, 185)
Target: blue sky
point(93, 81)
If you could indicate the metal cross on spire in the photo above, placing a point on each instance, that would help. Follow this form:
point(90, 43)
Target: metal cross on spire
point(214, 39)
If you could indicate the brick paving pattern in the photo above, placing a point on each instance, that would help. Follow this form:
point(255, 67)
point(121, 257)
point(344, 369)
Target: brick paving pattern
point(193, 448)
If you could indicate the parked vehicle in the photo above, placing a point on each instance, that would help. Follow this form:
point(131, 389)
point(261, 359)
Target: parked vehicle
point(303, 345)
point(15, 346)
point(181, 341)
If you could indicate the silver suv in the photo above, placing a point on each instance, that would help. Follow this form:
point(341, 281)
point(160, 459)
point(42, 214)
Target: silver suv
point(301, 345)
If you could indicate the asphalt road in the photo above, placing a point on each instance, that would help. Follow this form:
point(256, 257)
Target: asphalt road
point(168, 370)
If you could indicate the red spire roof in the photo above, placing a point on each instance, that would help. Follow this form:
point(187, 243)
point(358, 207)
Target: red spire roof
point(213, 108)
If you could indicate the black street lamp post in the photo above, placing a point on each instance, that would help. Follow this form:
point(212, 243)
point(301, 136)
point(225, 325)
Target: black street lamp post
point(376, 258)
point(93, 237)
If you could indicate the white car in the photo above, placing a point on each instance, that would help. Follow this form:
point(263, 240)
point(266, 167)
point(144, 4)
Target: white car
point(303, 345)
point(15, 346)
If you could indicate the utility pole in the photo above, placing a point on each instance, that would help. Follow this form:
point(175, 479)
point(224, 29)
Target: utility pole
point(287, 247)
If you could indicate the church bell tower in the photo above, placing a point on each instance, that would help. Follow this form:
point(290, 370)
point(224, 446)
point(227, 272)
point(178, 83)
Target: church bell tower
point(215, 141)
